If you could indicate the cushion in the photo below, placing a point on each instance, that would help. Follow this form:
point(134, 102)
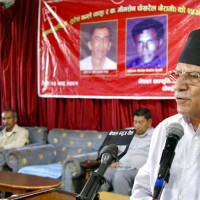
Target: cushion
point(51, 170)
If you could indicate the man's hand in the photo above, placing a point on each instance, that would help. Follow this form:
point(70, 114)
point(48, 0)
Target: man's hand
point(115, 165)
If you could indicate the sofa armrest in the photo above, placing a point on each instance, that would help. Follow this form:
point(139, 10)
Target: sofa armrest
point(31, 155)
point(4, 152)
point(75, 163)
point(2, 158)
point(72, 170)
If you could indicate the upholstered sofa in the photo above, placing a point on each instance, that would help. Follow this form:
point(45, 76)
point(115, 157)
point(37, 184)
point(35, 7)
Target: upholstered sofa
point(60, 158)
point(37, 136)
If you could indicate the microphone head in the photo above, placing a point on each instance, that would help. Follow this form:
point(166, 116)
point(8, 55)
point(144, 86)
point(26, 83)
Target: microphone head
point(175, 129)
point(111, 149)
point(110, 152)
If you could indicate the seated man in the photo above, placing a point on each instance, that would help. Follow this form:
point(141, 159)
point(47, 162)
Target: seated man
point(12, 136)
point(120, 175)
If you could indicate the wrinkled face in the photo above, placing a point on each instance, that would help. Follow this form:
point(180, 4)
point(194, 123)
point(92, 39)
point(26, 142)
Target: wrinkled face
point(8, 120)
point(141, 124)
point(187, 93)
point(100, 43)
point(147, 45)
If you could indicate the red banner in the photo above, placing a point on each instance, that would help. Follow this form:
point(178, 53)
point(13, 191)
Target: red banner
point(111, 48)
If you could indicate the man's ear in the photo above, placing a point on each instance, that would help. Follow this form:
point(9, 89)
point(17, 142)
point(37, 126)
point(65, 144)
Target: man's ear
point(150, 121)
point(161, 42)
point(15, 119)
point(89, 45)
point(110, 44)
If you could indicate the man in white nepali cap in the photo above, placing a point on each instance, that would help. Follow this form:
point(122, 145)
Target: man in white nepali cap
point(184, 176)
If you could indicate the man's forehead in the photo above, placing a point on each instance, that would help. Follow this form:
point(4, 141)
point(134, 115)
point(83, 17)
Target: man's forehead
point(146, 33)
point(99, 31)
point(138, 118)
point(187, 67)
point(7, 114)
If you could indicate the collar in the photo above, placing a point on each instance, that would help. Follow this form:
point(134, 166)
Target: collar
point(11, 132)
point(145, 134)
point(187, 121)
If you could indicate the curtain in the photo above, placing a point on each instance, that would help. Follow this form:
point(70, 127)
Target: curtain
point(18, 84)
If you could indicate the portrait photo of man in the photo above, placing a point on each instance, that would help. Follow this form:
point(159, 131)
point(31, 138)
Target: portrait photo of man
point(146, 42)
point(98, 46)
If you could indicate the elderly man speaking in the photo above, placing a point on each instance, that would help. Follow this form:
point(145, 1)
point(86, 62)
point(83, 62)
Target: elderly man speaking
point(184, 180)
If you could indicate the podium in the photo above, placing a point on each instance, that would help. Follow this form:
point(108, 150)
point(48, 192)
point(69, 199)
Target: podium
point(46, 194)
point(55, 194)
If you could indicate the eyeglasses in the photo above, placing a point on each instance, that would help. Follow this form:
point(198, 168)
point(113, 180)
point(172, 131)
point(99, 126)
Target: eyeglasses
point(189, 77)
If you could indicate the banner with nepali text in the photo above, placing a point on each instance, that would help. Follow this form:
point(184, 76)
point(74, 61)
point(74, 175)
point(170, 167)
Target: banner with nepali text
point(111, 49)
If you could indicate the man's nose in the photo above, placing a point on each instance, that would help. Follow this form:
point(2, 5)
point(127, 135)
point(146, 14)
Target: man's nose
point(180, 84)
point(145, 46)
point(137, 126)
point(5, 121)
point(101, 41)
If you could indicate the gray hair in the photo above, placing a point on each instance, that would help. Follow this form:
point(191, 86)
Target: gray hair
point(14, 113)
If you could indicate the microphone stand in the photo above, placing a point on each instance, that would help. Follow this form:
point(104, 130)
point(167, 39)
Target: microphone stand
point(91, 188)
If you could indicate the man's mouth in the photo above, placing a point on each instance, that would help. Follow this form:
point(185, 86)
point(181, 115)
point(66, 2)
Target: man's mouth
point(181, 100)
point(181, 96)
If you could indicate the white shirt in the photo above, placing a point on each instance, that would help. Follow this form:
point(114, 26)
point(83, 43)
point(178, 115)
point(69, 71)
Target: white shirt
point(86, 64)
point(18, 137)
point(184, 181)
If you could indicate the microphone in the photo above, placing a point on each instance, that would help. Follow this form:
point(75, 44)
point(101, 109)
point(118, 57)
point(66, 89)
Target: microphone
point(108, 156)
point(174, 133)
point(91, 188)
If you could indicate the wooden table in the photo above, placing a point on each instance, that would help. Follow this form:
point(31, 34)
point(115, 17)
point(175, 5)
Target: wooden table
point(113, 196)
point(55, 194)
point(21, 183)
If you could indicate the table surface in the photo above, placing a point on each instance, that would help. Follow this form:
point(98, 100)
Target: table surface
point(113, 196)
point(20, 183)
point(64, 195)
